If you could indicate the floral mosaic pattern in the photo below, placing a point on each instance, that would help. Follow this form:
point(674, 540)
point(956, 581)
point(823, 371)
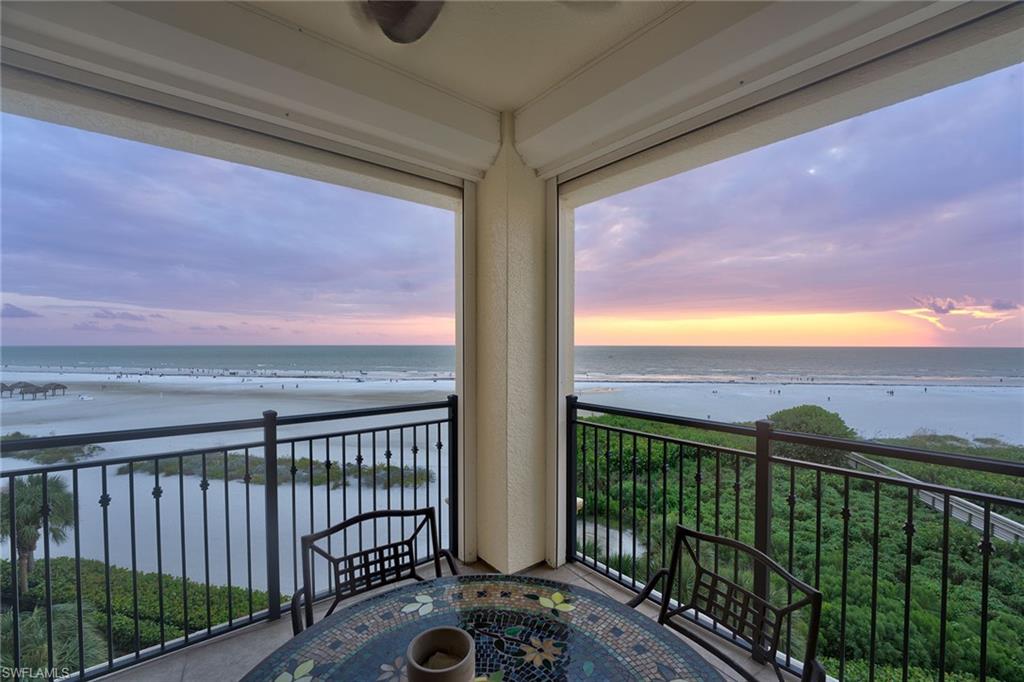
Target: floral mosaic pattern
point(299, 674)
point(542, 653)
point(393, 671)
point(422, 605)
point(525, 629)
point(556, 602)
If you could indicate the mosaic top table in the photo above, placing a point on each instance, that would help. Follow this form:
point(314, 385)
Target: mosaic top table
point(525, 629)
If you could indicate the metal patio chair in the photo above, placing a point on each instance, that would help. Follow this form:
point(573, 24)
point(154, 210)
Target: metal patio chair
point(358, 572)
point(726, 609)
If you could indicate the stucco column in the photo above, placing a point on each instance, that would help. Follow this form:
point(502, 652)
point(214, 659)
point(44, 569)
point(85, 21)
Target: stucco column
point(510, 352)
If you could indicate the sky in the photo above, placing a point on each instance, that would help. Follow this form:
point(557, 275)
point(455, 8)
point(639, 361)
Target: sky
point(901, 227)
point(108, 241)
point(904, 226)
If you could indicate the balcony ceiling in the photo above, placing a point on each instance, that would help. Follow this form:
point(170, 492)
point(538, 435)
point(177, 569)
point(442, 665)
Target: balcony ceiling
point(499, 55)
point(584, 79)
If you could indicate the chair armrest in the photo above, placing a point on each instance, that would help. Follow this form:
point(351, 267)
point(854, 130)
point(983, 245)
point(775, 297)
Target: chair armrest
point(651, 584)
point(296, 613)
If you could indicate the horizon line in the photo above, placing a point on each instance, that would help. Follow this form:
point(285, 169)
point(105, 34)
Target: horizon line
point(452, 345)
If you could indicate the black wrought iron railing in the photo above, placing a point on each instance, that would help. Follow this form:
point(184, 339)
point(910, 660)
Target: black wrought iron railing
point(919, 579)
point(111, 560)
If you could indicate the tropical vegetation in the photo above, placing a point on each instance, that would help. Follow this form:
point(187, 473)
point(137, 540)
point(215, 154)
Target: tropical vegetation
point(32, 638)
point(142, 612)
point(642, 488)
point(32, 516)
point(57, 455)
point(237, 466)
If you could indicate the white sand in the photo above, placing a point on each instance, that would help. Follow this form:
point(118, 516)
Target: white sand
point(135, 401)
point(128, 404)
point(967, 411)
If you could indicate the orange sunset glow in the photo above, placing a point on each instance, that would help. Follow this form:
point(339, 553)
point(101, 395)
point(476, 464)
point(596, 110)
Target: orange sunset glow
point(783, 329)
point(913, 327)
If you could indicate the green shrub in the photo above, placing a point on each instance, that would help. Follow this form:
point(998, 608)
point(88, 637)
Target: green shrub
point(122, 598)
point(815, 420)
point(32, 638)
point(379, 475)
point(68, 454)
point(857, 670)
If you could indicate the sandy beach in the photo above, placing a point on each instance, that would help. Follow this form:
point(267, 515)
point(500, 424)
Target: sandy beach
point(966, 411)
point(104, 402)
point(99, 402)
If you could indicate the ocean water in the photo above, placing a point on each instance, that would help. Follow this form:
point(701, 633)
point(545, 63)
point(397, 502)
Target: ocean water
point(296, 361)
point(888, 366)
point(876, 366)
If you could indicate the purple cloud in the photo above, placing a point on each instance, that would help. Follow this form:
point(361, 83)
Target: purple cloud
point(924, 195)
point(130, 329)
point(258, 242)
point(921, 196)
point(11, 310)
point(941, 306)
point(104, 314)
point(210, 328)
point(117, 327)
point(1003, 304)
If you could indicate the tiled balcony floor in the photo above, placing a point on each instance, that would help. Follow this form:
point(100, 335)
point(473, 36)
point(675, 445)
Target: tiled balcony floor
point(229, 657)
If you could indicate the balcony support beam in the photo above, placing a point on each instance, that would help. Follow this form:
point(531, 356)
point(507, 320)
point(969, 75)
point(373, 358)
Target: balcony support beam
point(511, 351)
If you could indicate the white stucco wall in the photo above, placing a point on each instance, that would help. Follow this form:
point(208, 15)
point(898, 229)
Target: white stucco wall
point(511, 362)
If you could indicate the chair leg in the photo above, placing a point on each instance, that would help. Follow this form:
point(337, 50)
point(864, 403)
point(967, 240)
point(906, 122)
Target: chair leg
point(295, 611)
point(451, 562)
point(651, 584)
point(334, 605)
point(815, 672)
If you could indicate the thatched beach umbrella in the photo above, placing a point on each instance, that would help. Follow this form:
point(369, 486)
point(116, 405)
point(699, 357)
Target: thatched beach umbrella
point(53, 388)
point(27, 388)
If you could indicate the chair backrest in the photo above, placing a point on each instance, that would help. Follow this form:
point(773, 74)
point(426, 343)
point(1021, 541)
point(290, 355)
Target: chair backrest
point(733, 607)
point(366, 568)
